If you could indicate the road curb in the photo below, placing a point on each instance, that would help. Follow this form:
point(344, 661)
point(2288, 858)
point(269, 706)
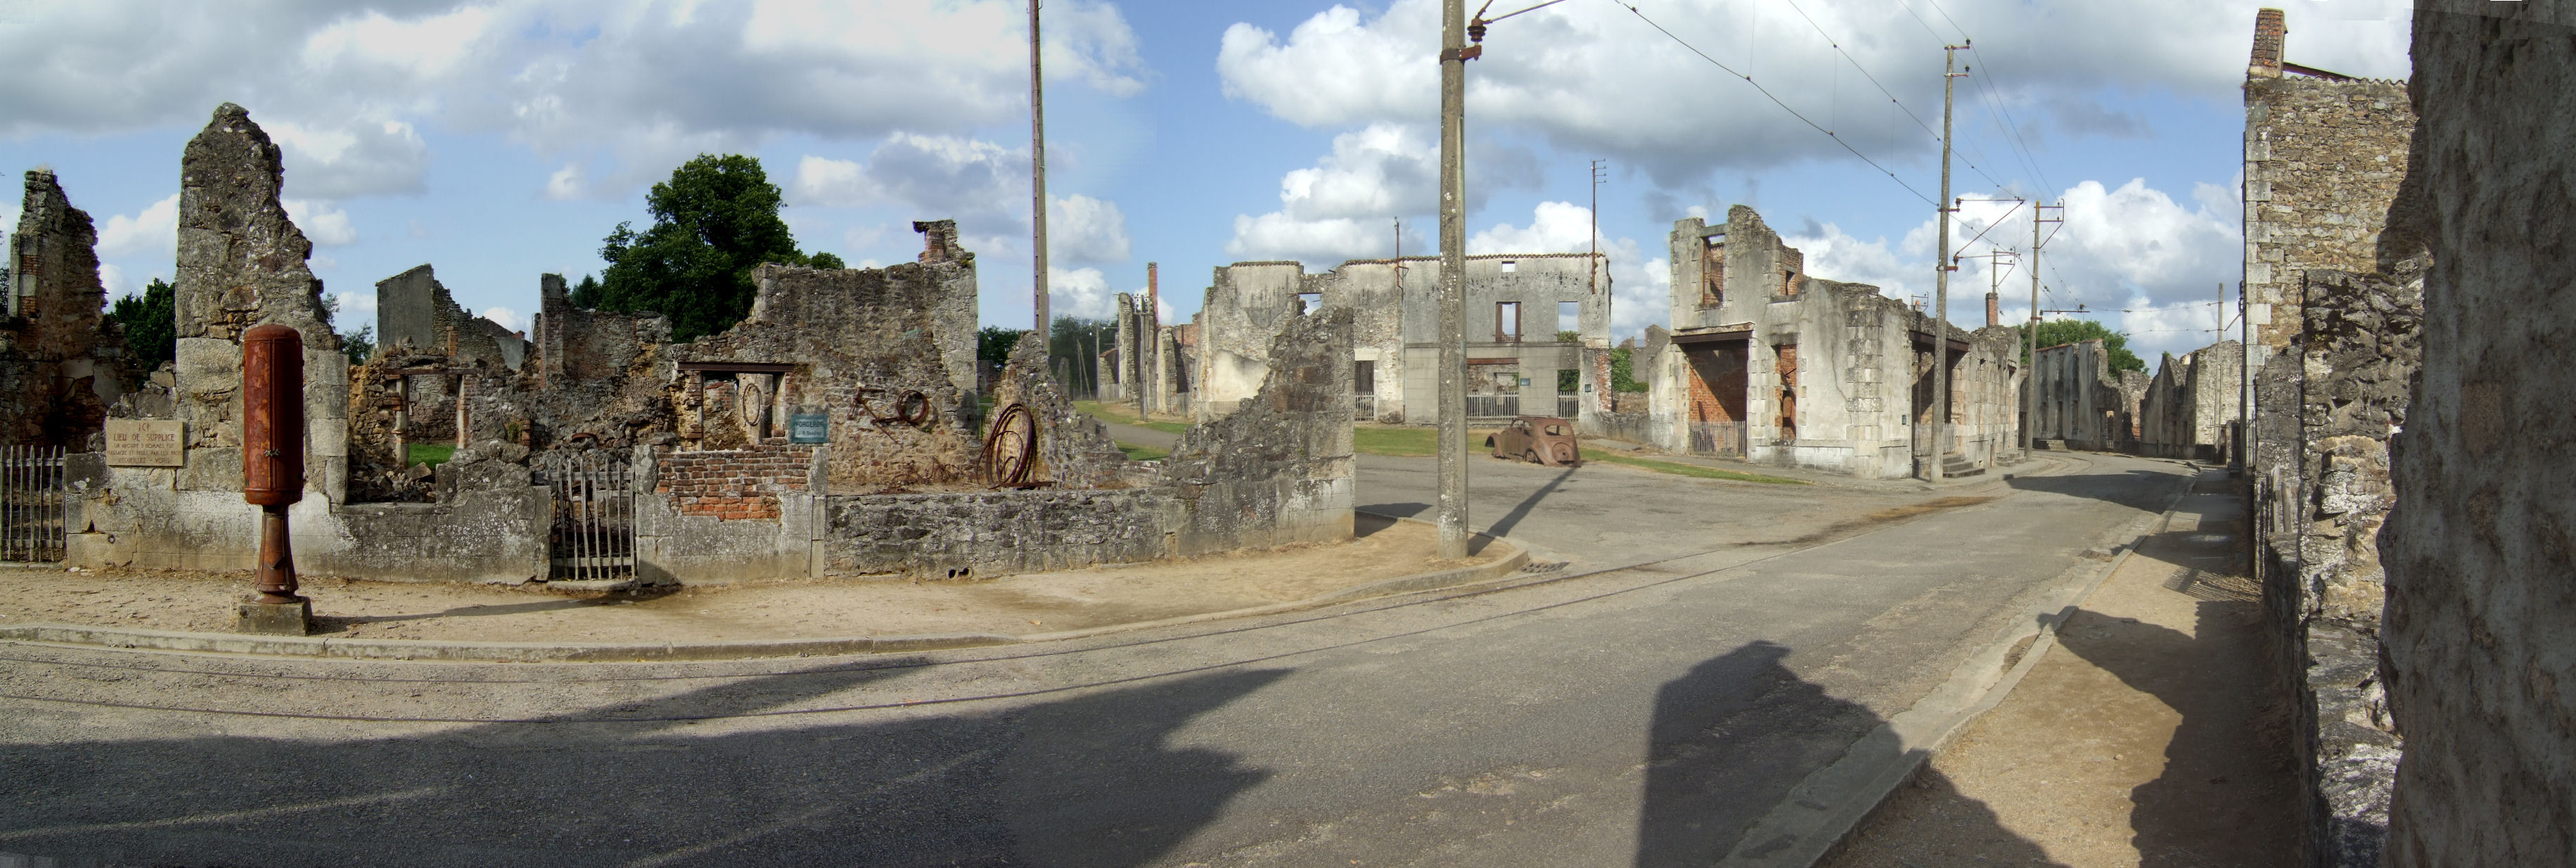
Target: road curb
point(638, 652)
point(1815, 817)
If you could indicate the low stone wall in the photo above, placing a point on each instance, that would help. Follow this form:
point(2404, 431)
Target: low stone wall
point(992, 533)
point(734, 484)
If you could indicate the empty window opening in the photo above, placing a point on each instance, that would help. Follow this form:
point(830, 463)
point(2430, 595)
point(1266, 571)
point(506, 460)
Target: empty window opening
point(1507, 322)
point(1569, 321)
point(1309, 302)
point(1510, 266)
point(1712, 273)
point(1788, 281)
point(1364, 378)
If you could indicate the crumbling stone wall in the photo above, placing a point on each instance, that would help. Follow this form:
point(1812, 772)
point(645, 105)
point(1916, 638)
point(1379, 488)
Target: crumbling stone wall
point(241, 264)
point(1074, 450)
point(1278, 470)
point(967, 535)
point(2481, 616)
point(61, 361)
point(885, 339)
point(2079, 399)
point(2191, 406)
point(415, 312)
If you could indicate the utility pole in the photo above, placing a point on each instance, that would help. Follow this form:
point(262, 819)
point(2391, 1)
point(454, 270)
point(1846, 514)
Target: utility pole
point(1037, 164)
point(1941, 269)
point(1453, 278)
point(1597, 177)
point(2030, 395)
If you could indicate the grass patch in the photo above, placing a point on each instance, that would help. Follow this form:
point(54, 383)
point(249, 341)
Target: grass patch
point(1691, 470)
point(1119, 414)
point(430, 453)
point(1406, 442)
point(1141, 453)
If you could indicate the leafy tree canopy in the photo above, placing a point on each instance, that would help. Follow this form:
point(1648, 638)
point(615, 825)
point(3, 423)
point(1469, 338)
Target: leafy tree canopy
point(713, 222)
point(993, 345)
point(2066, 331)
point(151, 322)
point(1623, 372)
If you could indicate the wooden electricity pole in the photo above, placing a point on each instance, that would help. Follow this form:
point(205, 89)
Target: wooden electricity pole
point(1037, 165)
point(1941, 278)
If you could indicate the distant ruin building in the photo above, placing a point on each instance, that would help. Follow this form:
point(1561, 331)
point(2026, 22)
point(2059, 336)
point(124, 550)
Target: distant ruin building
point(1777, 366)
point(1537, 333)
point(61, 362)
point(2080, 403)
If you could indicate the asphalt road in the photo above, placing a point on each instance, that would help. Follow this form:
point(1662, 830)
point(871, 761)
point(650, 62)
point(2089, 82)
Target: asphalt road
point(1622, 715)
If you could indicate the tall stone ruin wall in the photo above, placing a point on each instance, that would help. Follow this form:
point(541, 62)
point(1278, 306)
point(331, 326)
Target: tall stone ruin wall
point(2480, 629)
point(61, 362)
point(2323, 160)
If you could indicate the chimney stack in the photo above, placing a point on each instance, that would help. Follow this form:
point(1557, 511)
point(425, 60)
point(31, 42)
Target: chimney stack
point(2269, 30)
point(1994, 309)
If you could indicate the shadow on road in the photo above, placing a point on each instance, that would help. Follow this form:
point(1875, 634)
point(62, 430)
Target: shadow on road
point(1083, 781)
point(1729, 741)
point(1522, 509)
point(2114, 487)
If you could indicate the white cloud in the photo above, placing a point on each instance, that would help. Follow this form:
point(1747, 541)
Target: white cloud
point(356, 306)
point(984, 186)
point(509, 319)
point(325, 225)
point(1594, 77)
point(1080, 292)
point(153, 231)
point(566, 183)
point(2131, 255)
point(632, 87)
point(1344, 205)
point(1084, 229)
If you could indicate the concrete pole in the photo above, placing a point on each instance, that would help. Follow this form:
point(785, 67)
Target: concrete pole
point(2030, 374)
point(1037, 167)
point(1453, 280)
point(1941, 280)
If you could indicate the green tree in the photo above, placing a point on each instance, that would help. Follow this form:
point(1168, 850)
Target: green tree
point(586, 293)
point(713, 222)
point(1078, 341)
point(2056, 332)
point(1623, 372)
point(358, 345)
point(993, 345)
point(151, 321)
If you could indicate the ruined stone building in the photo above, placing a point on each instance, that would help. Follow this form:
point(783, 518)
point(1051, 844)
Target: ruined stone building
point(2081, 404)
point(2191, 408)
point(1153, 365)
point(1769, 363)
point(414, 312)
point(61, 361)
point(833, 431)
point(2334, 286)
point(1537, 333)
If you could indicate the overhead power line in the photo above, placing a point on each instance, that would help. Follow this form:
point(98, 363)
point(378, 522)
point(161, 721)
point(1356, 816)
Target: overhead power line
point(1775, 100)
point(1882, 89)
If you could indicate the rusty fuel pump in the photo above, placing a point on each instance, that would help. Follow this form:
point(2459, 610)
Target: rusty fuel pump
point(273, 472)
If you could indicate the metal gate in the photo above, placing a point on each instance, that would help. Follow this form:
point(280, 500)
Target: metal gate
point(593, 537)
point(31, 503)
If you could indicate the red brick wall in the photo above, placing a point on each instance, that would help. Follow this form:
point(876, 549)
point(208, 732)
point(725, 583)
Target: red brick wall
point(734, 483)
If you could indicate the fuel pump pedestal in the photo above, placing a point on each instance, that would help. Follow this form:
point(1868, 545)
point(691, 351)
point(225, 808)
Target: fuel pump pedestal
point(273, 474)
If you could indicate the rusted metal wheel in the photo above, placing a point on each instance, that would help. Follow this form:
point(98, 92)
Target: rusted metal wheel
point(913, 408)
point(1011, 447)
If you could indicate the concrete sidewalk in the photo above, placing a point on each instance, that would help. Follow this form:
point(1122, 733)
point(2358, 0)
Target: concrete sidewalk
point(2145, 737)
point(2014, 466)
point(1390, 556)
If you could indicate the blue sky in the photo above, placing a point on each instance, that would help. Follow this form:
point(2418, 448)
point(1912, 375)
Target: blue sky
point(501, 140)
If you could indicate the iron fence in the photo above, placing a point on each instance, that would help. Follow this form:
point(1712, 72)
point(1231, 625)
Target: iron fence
point(1569, 406)
point(1364, 407)
point(1493, 406)
point(1717, 438)
point(593, 535)
point(31, 503)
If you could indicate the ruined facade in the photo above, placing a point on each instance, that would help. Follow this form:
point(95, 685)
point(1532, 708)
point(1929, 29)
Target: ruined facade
point(2191, 407)
point(2480, 641)
point(2334, 296)
point(2080, 403)
point(61, 362)
point(1537, 333)
point(1777, 366)
point(415, 313)
point(832, 431)
point(1153, 366)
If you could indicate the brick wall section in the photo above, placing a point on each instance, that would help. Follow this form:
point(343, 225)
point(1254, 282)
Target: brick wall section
point(735, 483)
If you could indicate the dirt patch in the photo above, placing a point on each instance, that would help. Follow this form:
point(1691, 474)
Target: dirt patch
point(1035, 603)
point(1847, 527)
